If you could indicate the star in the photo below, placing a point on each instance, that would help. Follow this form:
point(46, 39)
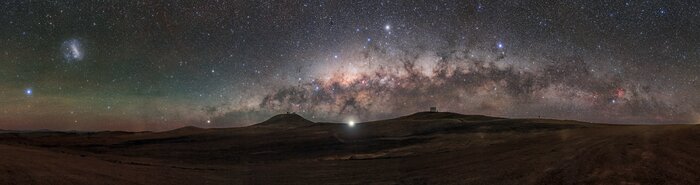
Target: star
point(28, 92)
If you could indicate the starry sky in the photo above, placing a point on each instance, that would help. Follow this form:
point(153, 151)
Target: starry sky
point(158, 65)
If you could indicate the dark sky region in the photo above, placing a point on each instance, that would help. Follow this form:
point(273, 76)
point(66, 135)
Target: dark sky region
point(156, 65)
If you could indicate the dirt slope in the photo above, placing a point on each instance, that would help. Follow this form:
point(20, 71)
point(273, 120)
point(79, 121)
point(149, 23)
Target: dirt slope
point(424, 148)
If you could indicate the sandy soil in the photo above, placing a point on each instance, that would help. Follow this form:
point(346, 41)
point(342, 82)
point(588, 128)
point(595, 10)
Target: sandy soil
point(425, 148)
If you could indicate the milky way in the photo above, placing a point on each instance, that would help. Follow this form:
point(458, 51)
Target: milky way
point(377, 85)
point(157, 65)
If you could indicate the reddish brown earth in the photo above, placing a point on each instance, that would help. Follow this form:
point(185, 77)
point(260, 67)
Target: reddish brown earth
point(424, 148)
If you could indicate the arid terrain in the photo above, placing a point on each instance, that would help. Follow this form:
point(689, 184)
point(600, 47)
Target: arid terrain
point(423, 148)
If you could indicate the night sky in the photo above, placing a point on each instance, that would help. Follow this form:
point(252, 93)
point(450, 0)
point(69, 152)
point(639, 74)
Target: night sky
point(157, 65)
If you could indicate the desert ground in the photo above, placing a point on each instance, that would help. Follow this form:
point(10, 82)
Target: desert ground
point(422, 148)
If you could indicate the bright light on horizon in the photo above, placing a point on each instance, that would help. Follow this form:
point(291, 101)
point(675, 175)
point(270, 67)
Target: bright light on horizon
point(351, 123)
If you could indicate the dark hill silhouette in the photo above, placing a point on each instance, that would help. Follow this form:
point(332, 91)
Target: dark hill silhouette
point(446, 115)
point(290, 120)
point(186, 129)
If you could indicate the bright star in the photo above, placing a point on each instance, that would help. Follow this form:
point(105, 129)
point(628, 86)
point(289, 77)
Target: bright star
point(28, 92)
point(500, 45)
point(387, 27)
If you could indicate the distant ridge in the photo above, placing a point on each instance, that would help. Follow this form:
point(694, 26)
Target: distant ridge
point(185, 130)
point(289, 120)
point(446, 115)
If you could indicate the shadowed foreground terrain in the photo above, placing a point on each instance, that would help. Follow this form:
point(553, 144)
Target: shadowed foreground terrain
point(423, 148)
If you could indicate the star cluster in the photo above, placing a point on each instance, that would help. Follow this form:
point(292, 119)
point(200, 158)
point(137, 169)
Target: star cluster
point(155, 65)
